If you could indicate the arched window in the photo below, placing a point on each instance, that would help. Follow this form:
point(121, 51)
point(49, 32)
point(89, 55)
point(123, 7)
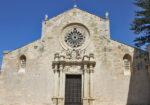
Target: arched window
point(22, 61)
point(127, 62)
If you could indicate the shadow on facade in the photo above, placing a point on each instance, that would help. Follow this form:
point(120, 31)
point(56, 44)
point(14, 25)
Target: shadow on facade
point(139, 86)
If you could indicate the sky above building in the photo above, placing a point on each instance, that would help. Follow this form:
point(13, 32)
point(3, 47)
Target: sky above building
point(21, 20)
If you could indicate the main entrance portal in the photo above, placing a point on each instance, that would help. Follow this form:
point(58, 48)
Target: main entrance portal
point(73, 90)
point(73, 75)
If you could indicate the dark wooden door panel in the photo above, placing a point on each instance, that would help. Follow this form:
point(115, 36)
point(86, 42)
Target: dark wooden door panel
point(73, 90)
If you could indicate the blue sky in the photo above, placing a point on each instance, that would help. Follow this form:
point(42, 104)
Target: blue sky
point(20, 20)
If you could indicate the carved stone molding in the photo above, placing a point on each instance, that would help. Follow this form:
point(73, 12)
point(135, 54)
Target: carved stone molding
point(73, 62)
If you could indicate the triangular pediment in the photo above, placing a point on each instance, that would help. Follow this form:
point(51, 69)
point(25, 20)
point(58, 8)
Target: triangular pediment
point(78, 10)
point(93, 23)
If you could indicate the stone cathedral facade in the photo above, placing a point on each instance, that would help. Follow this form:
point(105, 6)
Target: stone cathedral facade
point(75, 62)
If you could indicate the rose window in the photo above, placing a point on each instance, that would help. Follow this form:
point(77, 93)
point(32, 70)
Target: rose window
point(74, 37)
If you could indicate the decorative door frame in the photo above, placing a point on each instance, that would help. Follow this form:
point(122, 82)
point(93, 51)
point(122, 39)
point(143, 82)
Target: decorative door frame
point(78, 63)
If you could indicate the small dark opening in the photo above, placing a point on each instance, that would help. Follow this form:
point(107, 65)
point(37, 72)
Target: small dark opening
point(73, 90)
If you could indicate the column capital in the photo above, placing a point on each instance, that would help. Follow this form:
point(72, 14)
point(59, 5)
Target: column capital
point(85, 58)
point(88, 70)
point(56, 56)
point(55, 68)
point(85, 67)
point(91, 71)
point(61, 67)
point(91, 67)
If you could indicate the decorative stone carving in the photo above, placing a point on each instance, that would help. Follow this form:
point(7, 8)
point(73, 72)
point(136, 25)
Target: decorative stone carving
point(74, 36)
point(74, 54)
point(73, 62)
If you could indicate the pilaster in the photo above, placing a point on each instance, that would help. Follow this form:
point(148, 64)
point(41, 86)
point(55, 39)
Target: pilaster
point(86, 92)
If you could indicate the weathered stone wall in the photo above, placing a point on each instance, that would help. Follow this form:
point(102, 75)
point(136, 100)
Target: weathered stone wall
point(111, 85)
point(114, 87)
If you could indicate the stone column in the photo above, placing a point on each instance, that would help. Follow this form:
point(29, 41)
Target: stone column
point(56, 79)
point(61, 66)
point(91, 86)
point(86, 86)
point(91, 82)
point(91, 67)
point(85, 67)
point(61, 82)
point(86, 80)
point(60, 98)
point(86, 91)
point(55, 82)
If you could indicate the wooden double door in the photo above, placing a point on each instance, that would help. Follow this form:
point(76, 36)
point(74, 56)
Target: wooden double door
point(73, 86)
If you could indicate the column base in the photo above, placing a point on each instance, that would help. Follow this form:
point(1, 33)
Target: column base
point(58, 100)
point(88, 101)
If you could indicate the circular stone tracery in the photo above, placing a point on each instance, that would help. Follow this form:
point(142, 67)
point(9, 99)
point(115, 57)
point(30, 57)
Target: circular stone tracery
point(75, 37)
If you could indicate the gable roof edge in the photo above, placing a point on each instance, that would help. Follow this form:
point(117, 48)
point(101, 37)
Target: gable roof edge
point(76, 8)
point(127, 45)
